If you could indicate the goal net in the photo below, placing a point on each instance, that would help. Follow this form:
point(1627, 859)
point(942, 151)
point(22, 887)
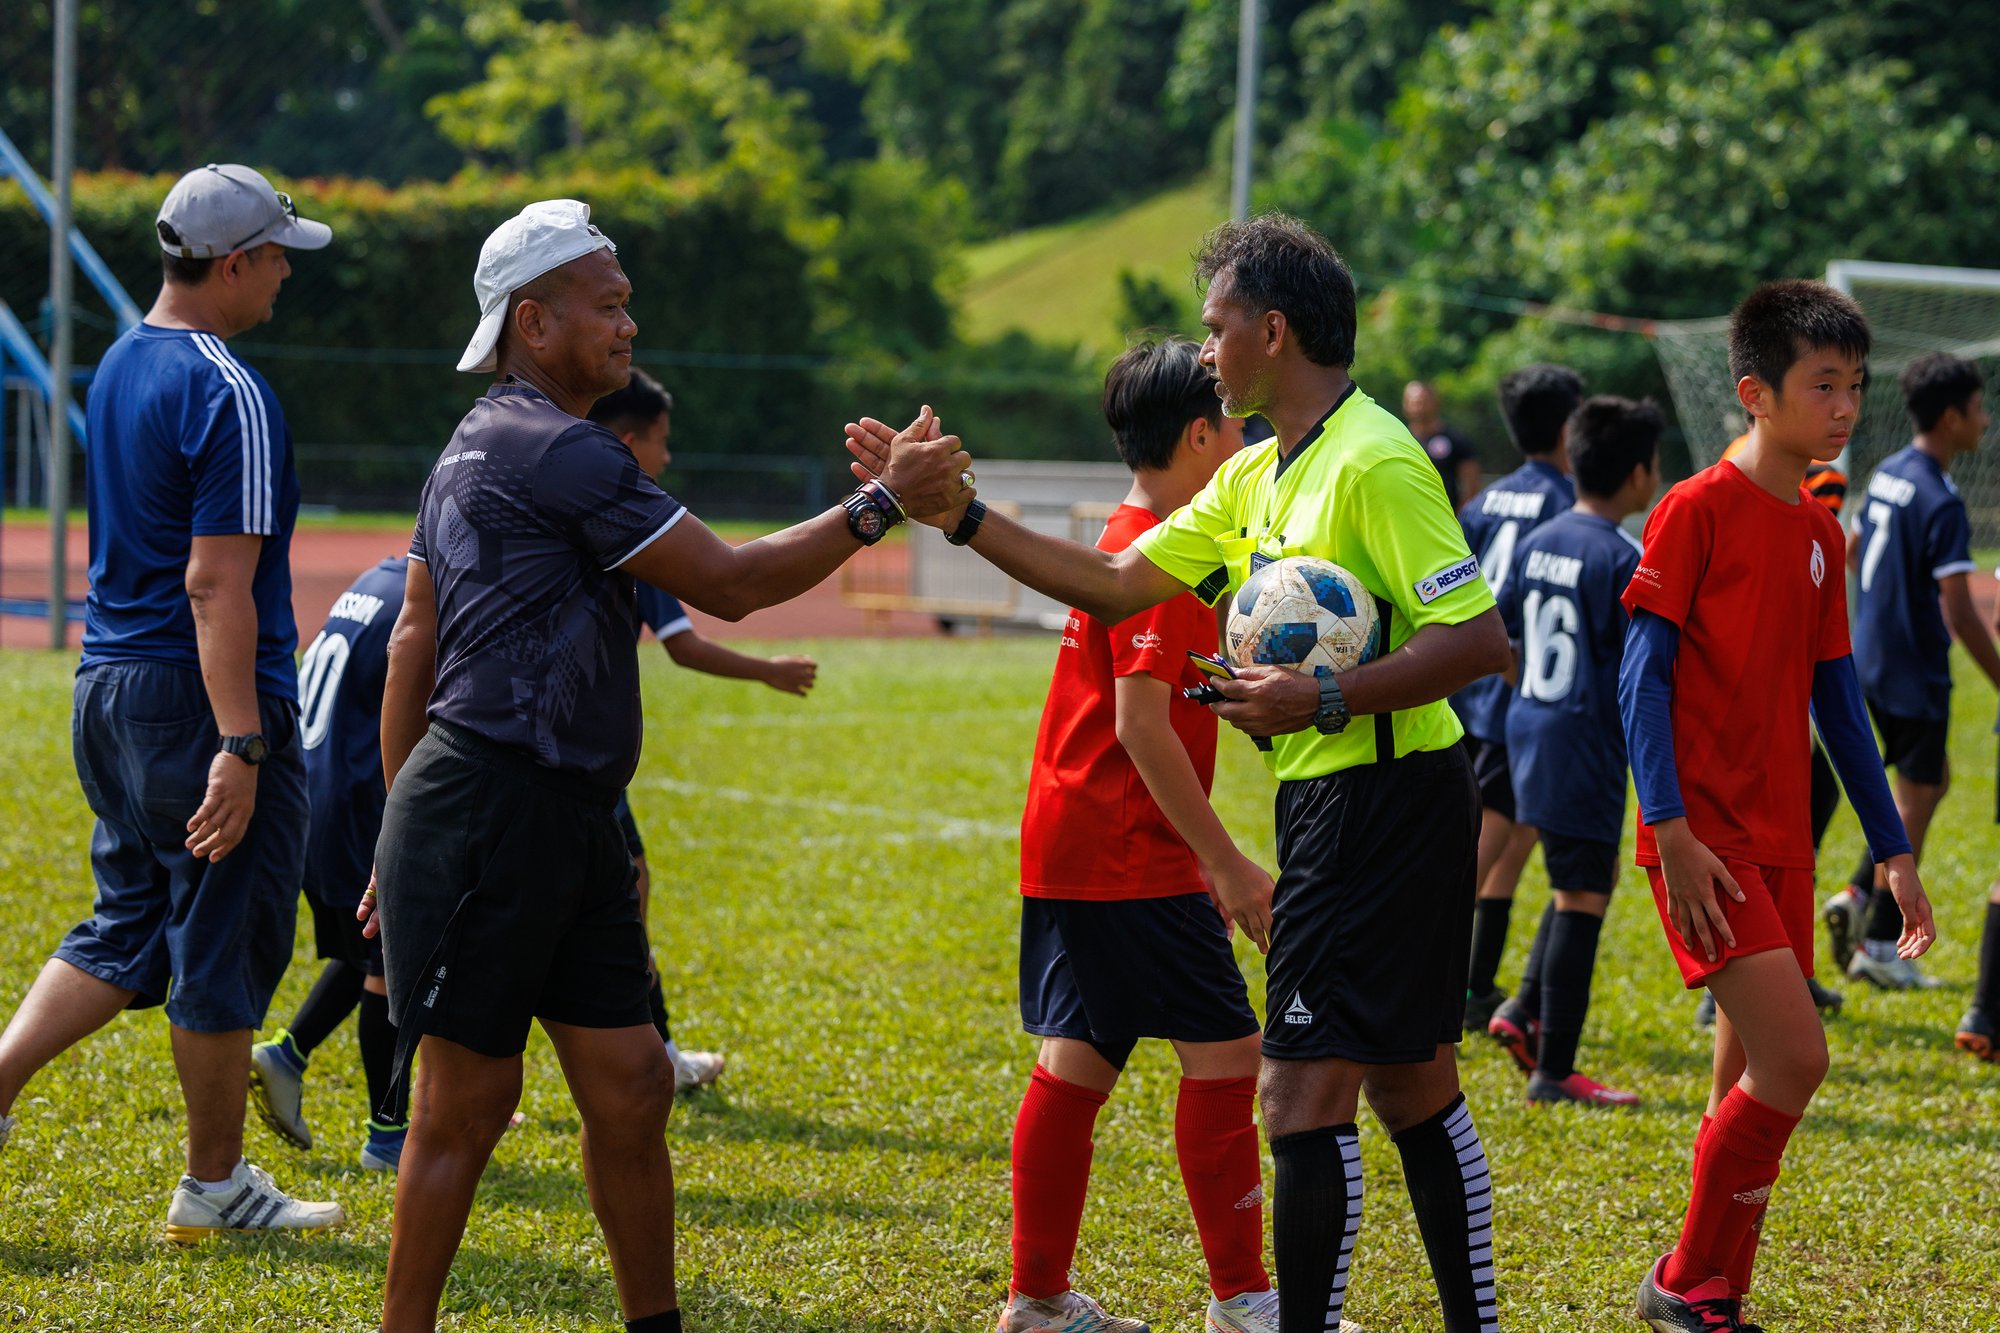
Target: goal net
point(1912, 309)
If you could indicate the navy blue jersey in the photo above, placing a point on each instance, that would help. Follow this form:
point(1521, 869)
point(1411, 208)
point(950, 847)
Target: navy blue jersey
point(1495, 522)
point(525, 521)
point(185, 441)
point(662, 613)
point(340, 726)
point(1913, 531)
point(1565, 741)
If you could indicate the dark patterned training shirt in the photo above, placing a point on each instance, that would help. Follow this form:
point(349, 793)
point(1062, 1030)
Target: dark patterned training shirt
point(525, 521)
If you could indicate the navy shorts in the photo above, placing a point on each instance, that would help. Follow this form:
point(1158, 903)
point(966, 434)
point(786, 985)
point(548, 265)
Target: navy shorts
point(1913, 746)
point(1371, 926)
point(1109, 973)
point(1580, 865)
point(209, 939)
point(1496, 780)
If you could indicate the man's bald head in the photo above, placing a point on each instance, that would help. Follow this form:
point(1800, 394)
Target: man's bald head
point(569, 326)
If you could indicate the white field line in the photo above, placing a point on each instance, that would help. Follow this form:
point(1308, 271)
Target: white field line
point(934, 825)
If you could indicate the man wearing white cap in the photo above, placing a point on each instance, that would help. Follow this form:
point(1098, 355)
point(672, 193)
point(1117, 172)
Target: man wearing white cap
point(185, 730)
point(506, 891)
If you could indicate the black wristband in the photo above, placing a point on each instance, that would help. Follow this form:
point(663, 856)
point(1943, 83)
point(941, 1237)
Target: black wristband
point(975, 513)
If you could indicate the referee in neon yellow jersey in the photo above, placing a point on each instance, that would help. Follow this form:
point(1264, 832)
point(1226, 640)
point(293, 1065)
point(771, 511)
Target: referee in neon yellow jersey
point(1377, 813)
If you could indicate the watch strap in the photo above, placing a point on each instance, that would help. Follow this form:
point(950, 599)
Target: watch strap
point(975, 514)
point(1333, 716)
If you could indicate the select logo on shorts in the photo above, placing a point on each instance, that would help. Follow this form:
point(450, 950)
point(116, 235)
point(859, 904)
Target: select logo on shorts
point(1296, 1012)
point(1442, 582)
point(1149, 640)
point(1818, 564)
point(437, 985)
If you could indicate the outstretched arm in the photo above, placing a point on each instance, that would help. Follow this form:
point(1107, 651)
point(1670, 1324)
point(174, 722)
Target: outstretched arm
point(793, 675)
point(1843, 724)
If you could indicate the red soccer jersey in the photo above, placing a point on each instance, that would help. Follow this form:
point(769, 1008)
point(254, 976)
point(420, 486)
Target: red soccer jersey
point(1758, 588)
point(1091, 828)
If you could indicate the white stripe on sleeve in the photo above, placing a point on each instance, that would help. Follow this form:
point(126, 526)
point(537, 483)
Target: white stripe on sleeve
point(254, 422)
point(664, 529)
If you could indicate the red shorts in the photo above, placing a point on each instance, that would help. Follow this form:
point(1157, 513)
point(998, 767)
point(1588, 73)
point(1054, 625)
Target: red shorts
point(1776, 913)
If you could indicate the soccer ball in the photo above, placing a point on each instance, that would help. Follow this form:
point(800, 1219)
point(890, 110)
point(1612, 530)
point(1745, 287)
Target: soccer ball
point(1306, 613)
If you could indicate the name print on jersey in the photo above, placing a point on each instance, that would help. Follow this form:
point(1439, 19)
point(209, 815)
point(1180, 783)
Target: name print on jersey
point(359, 607)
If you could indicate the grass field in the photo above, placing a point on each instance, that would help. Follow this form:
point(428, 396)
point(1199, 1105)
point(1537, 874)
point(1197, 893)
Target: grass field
point(835, 907)
point(1060, 282)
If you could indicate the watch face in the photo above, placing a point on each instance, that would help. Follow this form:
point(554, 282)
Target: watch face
point(255, 750)
point(869, 523)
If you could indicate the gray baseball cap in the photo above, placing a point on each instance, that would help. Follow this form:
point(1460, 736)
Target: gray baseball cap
point(223, 207)
point(541, 237)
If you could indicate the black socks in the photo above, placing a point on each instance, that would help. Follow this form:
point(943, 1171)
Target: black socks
point(1529, 993)
point(1314, 1217)
point(1565, 998)
point(1885, 919)
point(378, 1061)
point(1451, 1192)
point(1987, 994)
point(327, 1006)
point(1489, 941)
point(666, 1321)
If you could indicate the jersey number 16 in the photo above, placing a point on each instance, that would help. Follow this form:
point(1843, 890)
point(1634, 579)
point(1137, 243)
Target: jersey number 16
point(1548, 652)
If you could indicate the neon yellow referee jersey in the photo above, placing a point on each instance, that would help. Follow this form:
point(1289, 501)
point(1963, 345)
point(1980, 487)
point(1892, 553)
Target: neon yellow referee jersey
point(1363, 494)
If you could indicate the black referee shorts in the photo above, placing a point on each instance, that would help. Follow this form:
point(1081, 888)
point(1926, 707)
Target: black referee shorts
point(1372, 921)
point(507, 895)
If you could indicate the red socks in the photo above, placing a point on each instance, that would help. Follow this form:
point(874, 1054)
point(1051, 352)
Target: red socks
point(1736, 1158)
point(1216, 1140)
point(1051, 1173)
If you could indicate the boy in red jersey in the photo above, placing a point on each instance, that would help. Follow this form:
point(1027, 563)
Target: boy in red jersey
point(1732, 642)
point(1119, 937)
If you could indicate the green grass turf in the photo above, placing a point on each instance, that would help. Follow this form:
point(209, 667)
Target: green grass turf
point(835, 908)
point(1060, 282)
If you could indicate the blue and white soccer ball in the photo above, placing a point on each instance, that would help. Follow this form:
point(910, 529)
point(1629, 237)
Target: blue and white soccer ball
point(1304, 612)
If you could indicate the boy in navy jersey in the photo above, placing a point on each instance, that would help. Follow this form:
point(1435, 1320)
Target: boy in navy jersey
point(340, 725)
point(1565, 746)
point(1912, 550)
point(1536, 402)
point(641, 416)
point(1739, 637)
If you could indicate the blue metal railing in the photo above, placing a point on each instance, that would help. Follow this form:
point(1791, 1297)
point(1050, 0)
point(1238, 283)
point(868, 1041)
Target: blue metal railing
point(86, 256)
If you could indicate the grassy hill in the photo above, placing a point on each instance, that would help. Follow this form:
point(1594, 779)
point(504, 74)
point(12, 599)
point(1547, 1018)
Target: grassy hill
point(1060, 283)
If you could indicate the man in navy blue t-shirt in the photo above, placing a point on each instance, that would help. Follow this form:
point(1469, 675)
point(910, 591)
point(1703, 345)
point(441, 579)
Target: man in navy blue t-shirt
point(186, 717)
point(505, 889)
point(1565, 740)
point(1536, 402)
point(1911, 548)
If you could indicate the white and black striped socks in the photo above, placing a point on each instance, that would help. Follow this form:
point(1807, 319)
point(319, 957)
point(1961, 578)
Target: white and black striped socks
point(1315, 1216)
point(1451, 1191)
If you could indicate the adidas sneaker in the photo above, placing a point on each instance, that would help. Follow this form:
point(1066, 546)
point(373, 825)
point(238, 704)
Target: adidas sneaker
point(1517, 1030)
point(278, 1088)
point(1065, 1312)
point(695, 1070)
point(1709, 1308)
point(1576, 1088)
point(254, 1203)
point(1842, 915)
point(1253, 1312)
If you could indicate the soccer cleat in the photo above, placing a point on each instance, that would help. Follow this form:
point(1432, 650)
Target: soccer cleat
point(1065, 1312)
point(278, 1086)
point(1253, 1312)
point(1825, 999)
point(1704, 1010)
point(255, 1204)
point(1842, 915)
point(1576, 1088)
point(383, 1150)
point(1888, 973)
point(695, 1070)
point(1519, 1031)
point(1709, 1308)
point(7, 1123)
point(1975, 1037)
point(1479, 1008)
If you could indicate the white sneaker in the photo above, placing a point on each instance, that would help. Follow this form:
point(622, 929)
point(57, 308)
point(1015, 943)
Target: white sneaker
point(255, 1204)
point(7, 1123)
point(279, 1092)
point(1890, 973)
point(1253, 1312)
point(694, 1070)
point(1068, 1312)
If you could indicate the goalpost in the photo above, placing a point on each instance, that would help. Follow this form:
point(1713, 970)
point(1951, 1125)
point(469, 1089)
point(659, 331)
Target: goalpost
point(1912, 309)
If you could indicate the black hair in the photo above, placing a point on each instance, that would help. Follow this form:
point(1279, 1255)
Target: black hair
point(1782, 321)
point(1608, 437)
point(639, 404)
point(1151, 394)
point(1535, 401)
point(178, 271)
point(1279, 263)
point(1932, 385)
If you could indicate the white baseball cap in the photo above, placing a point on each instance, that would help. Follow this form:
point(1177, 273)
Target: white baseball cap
point(223, 207)
point(541, 237)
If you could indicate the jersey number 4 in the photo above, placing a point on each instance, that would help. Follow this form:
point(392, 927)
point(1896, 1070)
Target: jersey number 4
point(319, 686)
point(1548, 652)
